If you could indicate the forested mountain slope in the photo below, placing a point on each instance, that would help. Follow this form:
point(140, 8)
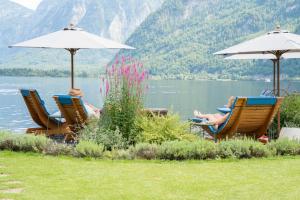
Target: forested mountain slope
point(181, 37)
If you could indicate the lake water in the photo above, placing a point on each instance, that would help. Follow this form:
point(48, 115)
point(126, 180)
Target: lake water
point(178, 95)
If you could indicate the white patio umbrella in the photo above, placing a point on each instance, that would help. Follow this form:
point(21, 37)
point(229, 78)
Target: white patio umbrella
point(271, 57)
point(277, 43)
point(71, 39)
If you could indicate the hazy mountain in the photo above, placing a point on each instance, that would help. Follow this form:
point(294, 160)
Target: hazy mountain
point(115, 19)
point(182, 35)
point(12, 19)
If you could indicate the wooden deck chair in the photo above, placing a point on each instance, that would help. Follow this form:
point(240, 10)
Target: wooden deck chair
point(36, 107)
point(250, 116)
point(73, 110)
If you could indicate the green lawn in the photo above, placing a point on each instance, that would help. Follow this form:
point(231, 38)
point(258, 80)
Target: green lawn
point(46, 177)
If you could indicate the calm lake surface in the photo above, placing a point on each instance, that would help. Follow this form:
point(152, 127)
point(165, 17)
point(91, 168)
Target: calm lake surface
point(178, 95)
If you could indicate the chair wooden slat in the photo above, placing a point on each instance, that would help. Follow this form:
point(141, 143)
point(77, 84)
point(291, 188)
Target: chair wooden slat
point(252, 120)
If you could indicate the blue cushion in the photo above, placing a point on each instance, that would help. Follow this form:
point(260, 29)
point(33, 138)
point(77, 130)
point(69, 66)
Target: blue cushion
point(67, 100)
point(25, 92)
point(224, 110)
point(261, 101)
point(198, 120)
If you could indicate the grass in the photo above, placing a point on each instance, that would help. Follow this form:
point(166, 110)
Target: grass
point(47, 177)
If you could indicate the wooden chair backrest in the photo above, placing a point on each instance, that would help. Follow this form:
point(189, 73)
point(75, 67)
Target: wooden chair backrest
point(42, 112)
point(248, 117)
point(72, 109)
point(31, 108)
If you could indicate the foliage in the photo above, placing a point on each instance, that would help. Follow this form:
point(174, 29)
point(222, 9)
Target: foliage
point(56, 149)
point(157, 129)
point(289, 111)
point(89, 149)
point(179, 39)
point(171, 150)
point(97, 133)
point(245, 148)
point(123, 89)
point(38, 72)
point(182, 150)
point(144, 151)
point(26, 143)
point(285, 147)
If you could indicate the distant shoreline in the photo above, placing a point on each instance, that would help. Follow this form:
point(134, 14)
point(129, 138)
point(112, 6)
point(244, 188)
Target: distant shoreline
point(55, 73)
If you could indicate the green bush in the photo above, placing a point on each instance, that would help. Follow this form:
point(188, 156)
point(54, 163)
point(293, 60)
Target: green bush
point(169, 150)
point(158, 129)
point(285, 147)
point(290, 110)
point(144, 151)
point(111, 139)
point(89, 149)
point(56, 149)
point(26, 143)
point(242, 148)
point(181, 150)
point(121, 154)
point(289, 113)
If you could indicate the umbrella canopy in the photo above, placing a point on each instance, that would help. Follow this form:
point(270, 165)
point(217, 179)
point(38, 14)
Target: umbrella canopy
point(274, 43)
point(287, 55)
point(71, 39)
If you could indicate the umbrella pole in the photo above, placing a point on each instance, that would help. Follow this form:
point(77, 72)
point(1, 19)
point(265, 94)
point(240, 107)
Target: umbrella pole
point(278, 94)
point(274, 76)
point(72, 52)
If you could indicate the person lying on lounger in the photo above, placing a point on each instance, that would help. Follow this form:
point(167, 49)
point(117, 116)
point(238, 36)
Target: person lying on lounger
point(91, 110)
point(217, 118)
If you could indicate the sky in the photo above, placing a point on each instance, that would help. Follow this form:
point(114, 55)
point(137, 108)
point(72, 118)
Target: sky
point(31, 4)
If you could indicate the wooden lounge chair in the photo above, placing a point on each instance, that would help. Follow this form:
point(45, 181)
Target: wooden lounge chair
point(73, 110)
point(47, 125)
point(250, 116)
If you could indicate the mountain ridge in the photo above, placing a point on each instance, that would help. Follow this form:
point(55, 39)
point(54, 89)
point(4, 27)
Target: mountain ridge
point(115, 19)
point(179, 39)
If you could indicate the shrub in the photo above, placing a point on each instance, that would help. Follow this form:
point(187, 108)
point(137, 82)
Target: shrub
point(285, 147)
point(121, 154)
point(158, 129)
point(31, 143)
point(144, 151)
point(180, 150)
point(290, 110)
point(56, 149)
point(289, 113)
point(124, 88)
point(111, 139)
point(26, 143)
point(89, 149)
point(242, 148)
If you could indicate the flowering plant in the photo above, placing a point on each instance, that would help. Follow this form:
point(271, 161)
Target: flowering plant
point(123, 89)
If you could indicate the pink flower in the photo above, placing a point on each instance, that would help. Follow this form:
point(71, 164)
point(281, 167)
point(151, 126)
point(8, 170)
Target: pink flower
point(107, 88)
point(117, 59)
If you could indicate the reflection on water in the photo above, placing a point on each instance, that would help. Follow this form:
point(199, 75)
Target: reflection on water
point(180, 96)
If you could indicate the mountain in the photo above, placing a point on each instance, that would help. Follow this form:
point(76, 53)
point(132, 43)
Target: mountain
point(12, 19)
point(179, 39)
point(115, 19)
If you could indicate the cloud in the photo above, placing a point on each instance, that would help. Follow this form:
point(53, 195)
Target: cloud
point(31, 4)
